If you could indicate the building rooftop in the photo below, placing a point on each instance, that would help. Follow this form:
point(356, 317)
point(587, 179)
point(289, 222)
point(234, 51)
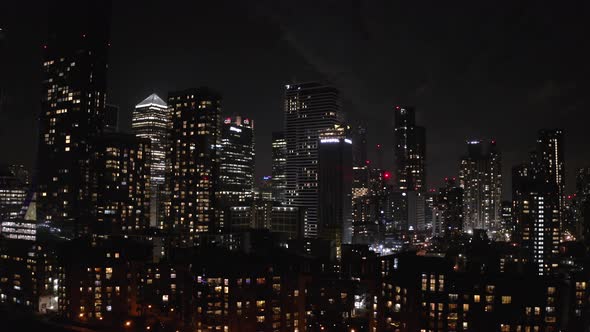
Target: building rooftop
point(152, 100)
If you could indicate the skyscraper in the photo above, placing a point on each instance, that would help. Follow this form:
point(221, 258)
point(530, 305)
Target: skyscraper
point(120, 184)
point(335, 186)
point(193, 159)
point(72, 109)
point(236, 161)
point(480, 176)
point(150, 121)
point(359, 148)
point(409, 151)
point(309, 109)
point(279, 166)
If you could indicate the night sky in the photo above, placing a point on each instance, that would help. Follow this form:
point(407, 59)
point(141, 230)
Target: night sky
point(500, 69)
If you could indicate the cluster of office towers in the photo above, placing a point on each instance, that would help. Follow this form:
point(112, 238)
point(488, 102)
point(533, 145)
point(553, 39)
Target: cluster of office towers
point(185, 169)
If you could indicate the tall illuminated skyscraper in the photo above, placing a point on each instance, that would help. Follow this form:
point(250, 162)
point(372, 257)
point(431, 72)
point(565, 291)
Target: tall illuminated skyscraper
point(551, 161)
point(409, 151)
point(359, 148)
point(72, 109)
point(236, 161)
point(193, 158)
point(535, 214)
point(309, 109)
point(480, 176)
point(150, 121)
point(335, 185)
point(279, 166)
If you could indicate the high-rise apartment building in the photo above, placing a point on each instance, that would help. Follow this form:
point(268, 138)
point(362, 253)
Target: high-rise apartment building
point(551, 161)
point(449, 204)
point(194, 139)
point(72, 109)
point(409, 151)
point(120, 184)
point(309, 109)
point(279, 166)
point(535, 214)
point(150, 121)
point(236, 161)
point(480, 176)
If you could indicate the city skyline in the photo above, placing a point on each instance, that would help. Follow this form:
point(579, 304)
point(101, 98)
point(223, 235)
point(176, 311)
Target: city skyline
point(208, 209)
point(449, 118)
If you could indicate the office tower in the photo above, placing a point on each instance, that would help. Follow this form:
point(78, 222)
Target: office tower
point(335, 185)
point(535, 213)
point(236, 161)
point(111, 118)
point(18, 217)
point(286, 221)
point(279, 166)
point(193, 160)
point(12, 194)
point(309, 109)
point(480, 177)
point(150, 121)
point(449, 203)
point(359, 147)
point(409, 151)
point(72, 109)
point(24, 226)
point(120, 179)
point(264, 189)
point(416, 205)
point(551, 161)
